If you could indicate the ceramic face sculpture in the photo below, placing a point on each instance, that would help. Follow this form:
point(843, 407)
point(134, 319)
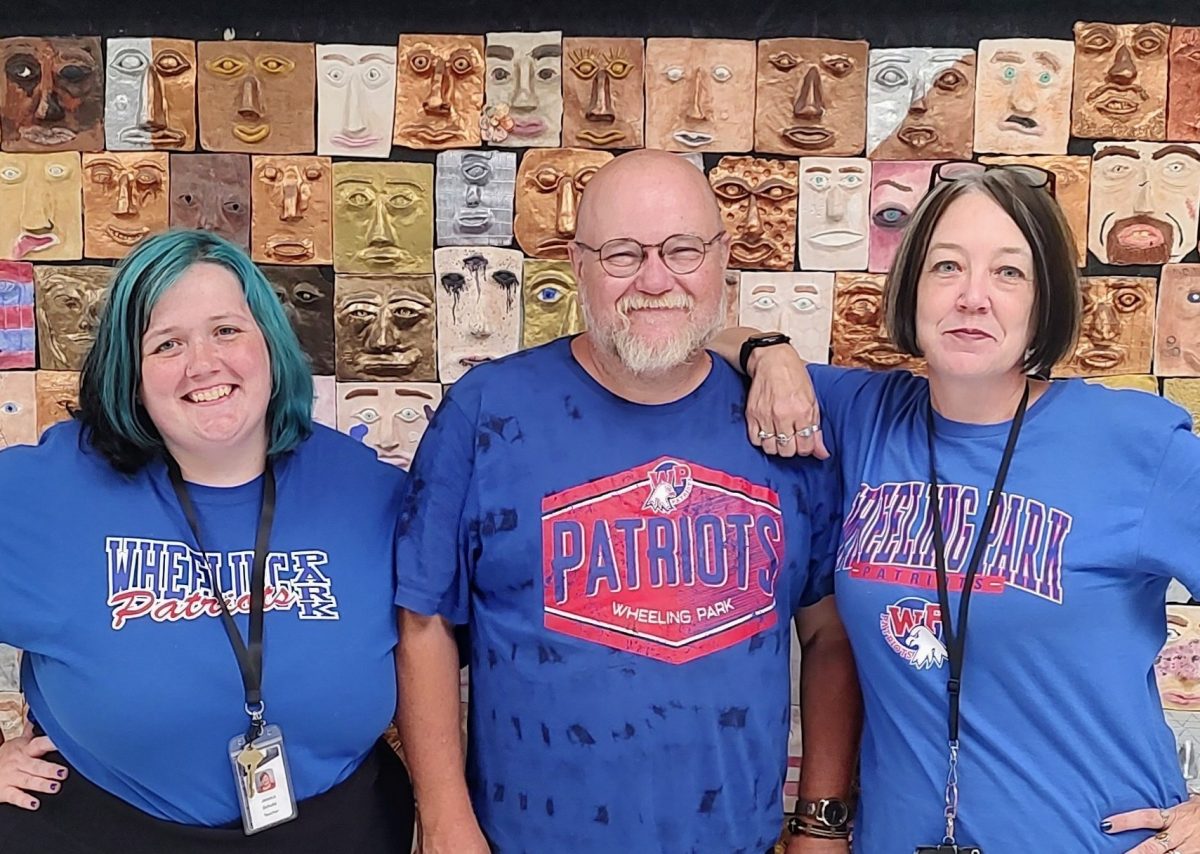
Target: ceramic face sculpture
point(389, 417)
point(524, 89)
point(549, 187)
point(18, 407)
point(1177, 668)
point(439, 97)
point(920, 104)
point(325, 401)
point(212, 192)
point(307, 299)
point(69, 303)
point(290, 210)
point(478, 307)
point(356, 99)
point(17, 326)
point(603, 92)
point(256, 96)
point(475, 197)
point(1023, 96)
point(1120, 81)
point(1117, 330)
point(860, 339)
point(150, 100)
point(1177, 334)
point(758, 205)
point(1186, 393)
point(1143, 202)
point(798, 304)
point(53, 95)
point(700, 94)
point(834, 197)
point(383, 217)
point(1183, 84)
point(385, 327)
point(57, 396)
point(125, 198)
point(897, 187)
point(811, 97)
point(42, 213)
point(1072, 189)
point(550, 298)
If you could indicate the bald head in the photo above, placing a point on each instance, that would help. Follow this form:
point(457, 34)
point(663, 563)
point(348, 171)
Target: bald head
point(647, 195)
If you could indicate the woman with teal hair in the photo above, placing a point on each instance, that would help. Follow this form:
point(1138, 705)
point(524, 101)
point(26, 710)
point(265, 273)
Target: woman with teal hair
point(202, 581)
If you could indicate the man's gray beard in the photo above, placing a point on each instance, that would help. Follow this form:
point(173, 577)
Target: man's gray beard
point(645, 359)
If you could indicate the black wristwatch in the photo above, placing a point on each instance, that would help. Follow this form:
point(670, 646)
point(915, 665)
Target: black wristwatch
point(754, 342)
point(832, 813)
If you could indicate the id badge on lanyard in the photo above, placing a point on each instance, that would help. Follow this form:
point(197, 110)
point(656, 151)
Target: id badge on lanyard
point(956, 640)
point(258, 759)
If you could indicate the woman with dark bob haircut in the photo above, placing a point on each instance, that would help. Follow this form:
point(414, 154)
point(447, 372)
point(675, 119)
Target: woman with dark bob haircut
point(1046, 517)
point(202, 581)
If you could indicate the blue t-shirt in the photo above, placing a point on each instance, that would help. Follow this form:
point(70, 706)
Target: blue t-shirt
point(629, 573)
point(1061, 721)
point(128, 669)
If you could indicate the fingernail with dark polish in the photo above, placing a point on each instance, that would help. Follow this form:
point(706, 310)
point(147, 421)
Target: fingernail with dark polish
point(54, 787)
point(62, 772)
point(1106, 826)
point(33, 805)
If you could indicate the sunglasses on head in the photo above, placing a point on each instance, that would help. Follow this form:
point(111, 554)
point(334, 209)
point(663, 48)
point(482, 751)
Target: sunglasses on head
point(955, 170)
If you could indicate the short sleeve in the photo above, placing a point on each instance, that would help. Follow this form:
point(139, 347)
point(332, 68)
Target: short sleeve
point(843, 395)
point(823, 491)
point(1170, 536)
point(432, 548)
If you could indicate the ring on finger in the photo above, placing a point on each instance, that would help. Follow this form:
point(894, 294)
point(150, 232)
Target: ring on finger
point(810, 430)
point(1164, 839)
point(1165, 817)
point(764, 434)
point(783, 437)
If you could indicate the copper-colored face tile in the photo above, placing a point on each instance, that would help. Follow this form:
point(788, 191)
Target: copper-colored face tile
point(603, 92)
point(1117, 331)
point(860, 338)
point(70, 300)
point(550, 183)
point(257, 97)
point(700, 94)
point(126, 197)
point(212, 192)
point(290, 210)
point(1177, 333)
point(920, 103)
point(41, 211)
point(758, 205)
point(1120, 81)
point(811, 97)
point(439, 91)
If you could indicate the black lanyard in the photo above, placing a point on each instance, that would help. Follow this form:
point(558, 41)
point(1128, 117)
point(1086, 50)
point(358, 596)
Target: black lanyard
point(956, 643)
point(249, 657)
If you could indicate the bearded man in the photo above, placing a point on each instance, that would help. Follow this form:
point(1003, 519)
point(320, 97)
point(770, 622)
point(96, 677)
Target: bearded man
point(627, 567)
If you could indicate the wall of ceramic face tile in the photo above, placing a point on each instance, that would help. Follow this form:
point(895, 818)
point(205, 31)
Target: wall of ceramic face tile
point(410, 195)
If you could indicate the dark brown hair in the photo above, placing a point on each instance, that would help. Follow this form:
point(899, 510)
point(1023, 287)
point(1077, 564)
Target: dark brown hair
point(1056, 305)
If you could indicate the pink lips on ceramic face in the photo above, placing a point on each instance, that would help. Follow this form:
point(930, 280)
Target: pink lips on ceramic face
point(528, 127)
point(27, 243)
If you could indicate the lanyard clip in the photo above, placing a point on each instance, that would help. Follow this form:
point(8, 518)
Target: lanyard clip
point(257, 724)
point(953, 686)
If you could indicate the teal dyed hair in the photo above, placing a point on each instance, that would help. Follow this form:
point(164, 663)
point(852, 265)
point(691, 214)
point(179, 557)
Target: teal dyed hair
point(108, 396)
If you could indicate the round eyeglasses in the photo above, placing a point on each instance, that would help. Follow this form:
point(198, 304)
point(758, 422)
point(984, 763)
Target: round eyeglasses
point(1032, 176)
point(623, 256)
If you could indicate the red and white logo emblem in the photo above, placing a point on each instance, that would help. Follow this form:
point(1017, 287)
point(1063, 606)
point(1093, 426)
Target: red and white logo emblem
point(912, 627)
point(670, 560)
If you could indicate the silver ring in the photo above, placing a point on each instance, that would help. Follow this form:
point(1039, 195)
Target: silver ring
point(1164, 839)
point(763, 434)
point(808, 431)
point(1164, 817)
point(783, 437)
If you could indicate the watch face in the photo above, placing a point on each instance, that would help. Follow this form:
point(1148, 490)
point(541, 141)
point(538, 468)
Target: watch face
point(835, 813)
